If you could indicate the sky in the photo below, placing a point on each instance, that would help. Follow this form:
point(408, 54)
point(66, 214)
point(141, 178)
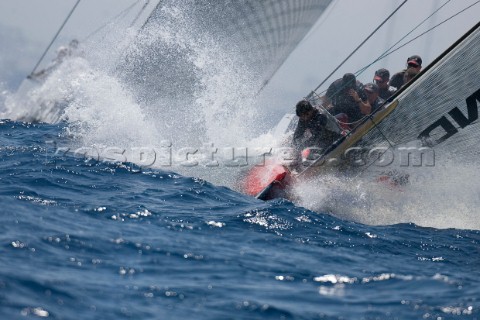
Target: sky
point(27, 26)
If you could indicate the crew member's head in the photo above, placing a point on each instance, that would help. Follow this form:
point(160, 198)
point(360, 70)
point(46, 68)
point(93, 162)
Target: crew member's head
point(371, 89)
point(382, 76)
point(414, 62)
point(349, 81)
point(304, 110)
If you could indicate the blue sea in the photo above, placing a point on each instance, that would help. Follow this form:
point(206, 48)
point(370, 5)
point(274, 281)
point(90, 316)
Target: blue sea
point(87, 239)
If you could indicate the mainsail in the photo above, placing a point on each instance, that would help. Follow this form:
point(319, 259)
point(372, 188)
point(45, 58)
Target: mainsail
point(257, 35)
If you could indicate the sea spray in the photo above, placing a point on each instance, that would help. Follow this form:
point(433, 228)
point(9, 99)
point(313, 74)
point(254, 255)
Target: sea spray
point(441, 197)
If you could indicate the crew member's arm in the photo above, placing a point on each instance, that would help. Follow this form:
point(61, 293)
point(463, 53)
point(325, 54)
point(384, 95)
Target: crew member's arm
point(365, 107)
point(397, 80)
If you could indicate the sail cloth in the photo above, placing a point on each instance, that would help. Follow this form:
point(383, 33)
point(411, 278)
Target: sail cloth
point(433, 120)
point(439, 110)
point(180, 37)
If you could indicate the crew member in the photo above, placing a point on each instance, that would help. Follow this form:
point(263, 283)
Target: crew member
point(413, 62)
point(382, 76)
point(347, 97)
point(312, 130)
point(372, 91)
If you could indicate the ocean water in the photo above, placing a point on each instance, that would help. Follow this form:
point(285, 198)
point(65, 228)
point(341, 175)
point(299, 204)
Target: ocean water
point(88, 239)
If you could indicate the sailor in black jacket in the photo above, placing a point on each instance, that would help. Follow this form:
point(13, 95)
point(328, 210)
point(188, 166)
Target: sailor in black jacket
point(312, 130)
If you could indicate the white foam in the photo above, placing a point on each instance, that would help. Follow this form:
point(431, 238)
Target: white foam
point(440, 197)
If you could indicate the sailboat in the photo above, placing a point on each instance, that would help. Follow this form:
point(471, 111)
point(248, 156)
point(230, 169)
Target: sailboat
point(431, 121)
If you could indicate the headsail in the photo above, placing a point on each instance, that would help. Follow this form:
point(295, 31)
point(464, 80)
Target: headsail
point(258, 35)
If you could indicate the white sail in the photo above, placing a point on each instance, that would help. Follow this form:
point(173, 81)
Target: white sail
point(255, 35)
point(440, 108)
point(434, 118)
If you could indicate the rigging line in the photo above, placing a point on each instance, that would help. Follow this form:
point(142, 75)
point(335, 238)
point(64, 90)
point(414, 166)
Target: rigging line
point(441, 56)
point(360, 45)
point(387, 52)
point(391, 146)
point(437, 25)
point(55, 37)
point(147, 2)
point(448, 50)
point(375, 126)
point(150, 16)
point(120, 14)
